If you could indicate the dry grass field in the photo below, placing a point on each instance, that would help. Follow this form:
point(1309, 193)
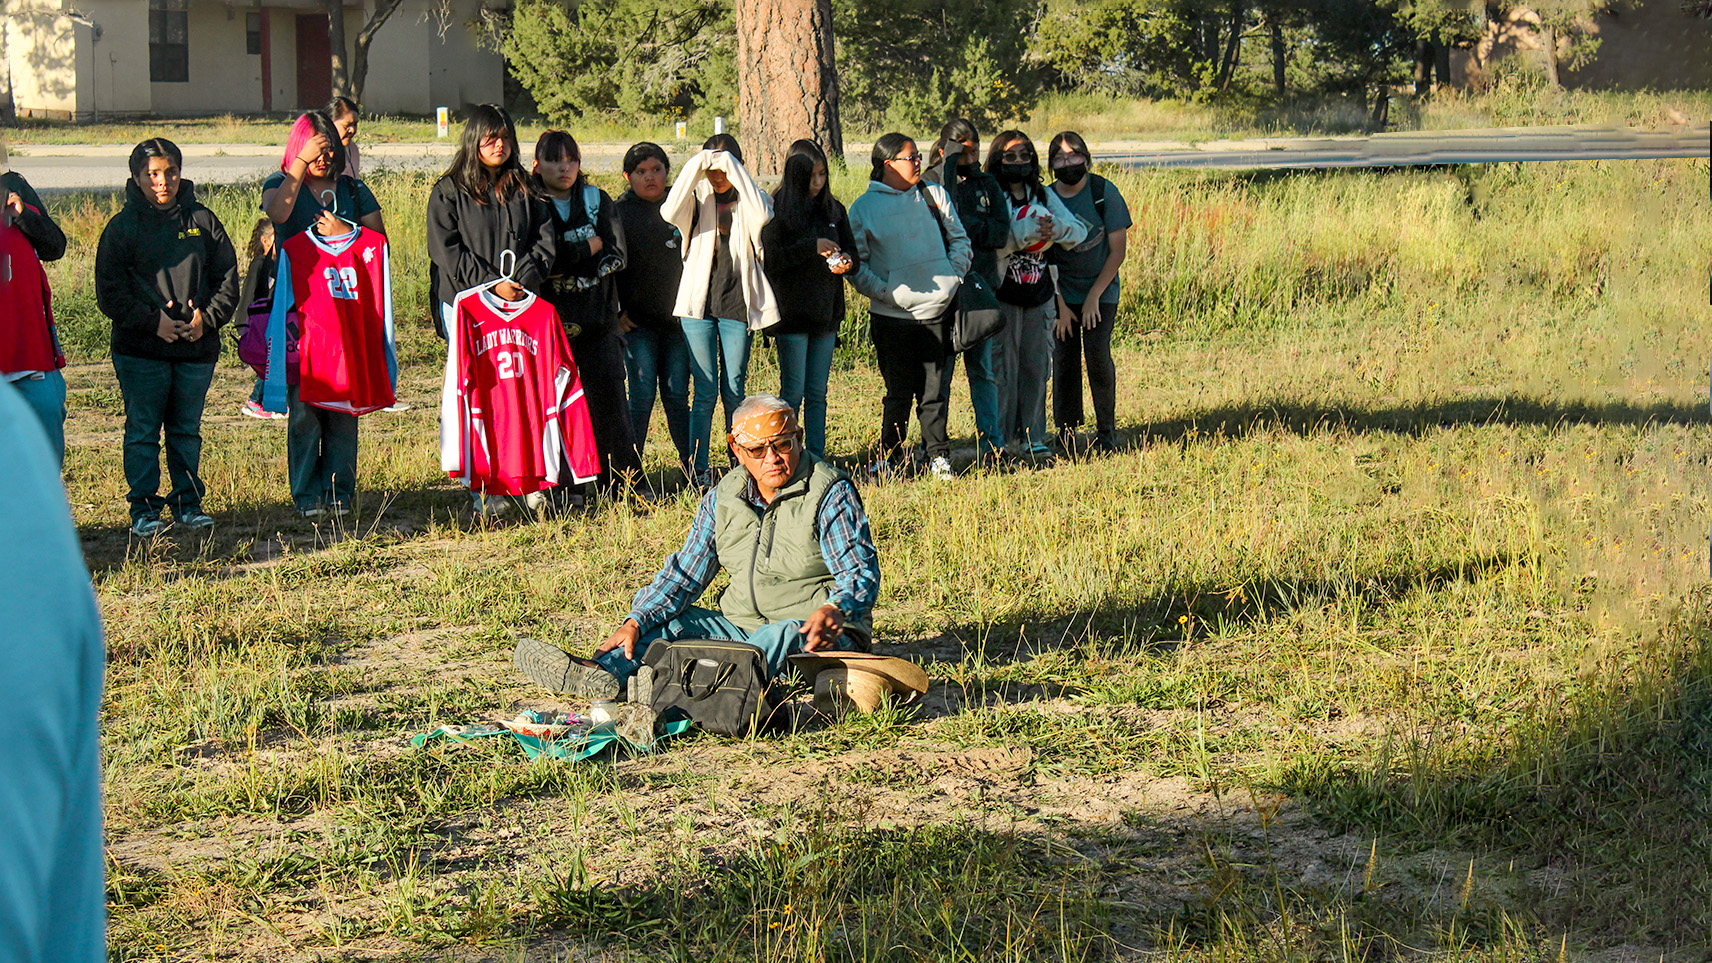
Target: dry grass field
point(1384, 637)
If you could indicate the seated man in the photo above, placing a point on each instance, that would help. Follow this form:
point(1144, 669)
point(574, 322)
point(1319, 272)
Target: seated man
point(789, 528)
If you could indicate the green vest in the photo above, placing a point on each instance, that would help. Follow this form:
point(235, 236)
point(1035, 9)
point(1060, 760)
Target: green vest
point(774, 559)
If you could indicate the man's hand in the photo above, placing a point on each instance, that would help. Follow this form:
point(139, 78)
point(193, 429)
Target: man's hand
point(824, 628)
point(626, 635)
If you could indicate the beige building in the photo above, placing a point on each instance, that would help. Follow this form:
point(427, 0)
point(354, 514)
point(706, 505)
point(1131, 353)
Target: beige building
point(88, 59)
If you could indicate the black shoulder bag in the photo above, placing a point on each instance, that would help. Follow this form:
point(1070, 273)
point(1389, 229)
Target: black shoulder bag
point(975, 315)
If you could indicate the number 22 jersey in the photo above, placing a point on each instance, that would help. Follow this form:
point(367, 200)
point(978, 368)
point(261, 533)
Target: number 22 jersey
point(341, 290)
point(512, 415)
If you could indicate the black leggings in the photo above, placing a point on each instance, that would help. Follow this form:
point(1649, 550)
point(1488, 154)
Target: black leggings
point(1067, 355)
point(915, 365)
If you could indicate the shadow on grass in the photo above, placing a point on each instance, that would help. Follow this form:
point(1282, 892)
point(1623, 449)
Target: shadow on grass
point(988, 654)
point(1603, 789)
point(1241, 420)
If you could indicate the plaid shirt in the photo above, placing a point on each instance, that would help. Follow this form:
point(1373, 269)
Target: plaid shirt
point(841, 526)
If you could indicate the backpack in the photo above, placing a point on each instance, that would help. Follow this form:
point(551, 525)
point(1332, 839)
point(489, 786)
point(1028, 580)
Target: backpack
point(253, 342)
point(719, 685)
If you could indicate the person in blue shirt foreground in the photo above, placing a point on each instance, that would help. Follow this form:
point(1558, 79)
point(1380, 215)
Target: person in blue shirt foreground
point(53, 893)
point(791, 531)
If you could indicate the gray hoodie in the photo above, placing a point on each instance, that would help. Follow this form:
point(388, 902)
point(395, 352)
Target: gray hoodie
point(904, 266)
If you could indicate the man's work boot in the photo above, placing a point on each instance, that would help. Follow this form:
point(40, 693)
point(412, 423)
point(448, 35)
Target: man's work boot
point(555, 669)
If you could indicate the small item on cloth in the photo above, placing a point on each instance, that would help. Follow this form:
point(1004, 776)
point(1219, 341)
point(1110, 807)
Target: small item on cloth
point(859, 680)
point(547, 725)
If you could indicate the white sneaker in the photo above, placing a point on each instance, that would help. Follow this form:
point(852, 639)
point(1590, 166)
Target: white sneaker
point(940, 468)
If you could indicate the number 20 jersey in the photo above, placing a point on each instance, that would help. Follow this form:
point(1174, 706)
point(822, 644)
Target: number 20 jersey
point(512, 415)
point(341, 289)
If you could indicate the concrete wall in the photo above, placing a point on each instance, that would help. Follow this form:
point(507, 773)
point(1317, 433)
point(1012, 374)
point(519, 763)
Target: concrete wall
point(412, 70)
point(222, 76)
point(42, 56)
point(121, 79)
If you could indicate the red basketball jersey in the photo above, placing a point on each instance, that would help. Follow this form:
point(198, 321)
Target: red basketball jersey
point(512, 415)
point(341, 288)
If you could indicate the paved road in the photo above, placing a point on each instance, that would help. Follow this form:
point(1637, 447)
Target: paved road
point(1430, 147)
point(83, 167)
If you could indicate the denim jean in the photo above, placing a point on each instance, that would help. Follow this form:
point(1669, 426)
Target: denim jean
point(719, 362)
point(805, 365)
point(778, 641)
point(163, 397)
point(320, 455)
point(46, 397)
point(659, 361)
point(1024, 363)
point(979, 363)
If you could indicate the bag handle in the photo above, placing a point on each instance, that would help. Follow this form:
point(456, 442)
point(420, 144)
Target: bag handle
point(938, 218)
point(686, 680)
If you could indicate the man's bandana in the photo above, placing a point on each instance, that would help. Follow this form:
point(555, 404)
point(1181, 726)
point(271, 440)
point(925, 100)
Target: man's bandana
point(763, 425)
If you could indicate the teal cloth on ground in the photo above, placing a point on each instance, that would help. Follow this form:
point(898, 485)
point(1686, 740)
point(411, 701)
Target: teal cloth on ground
point(575, 748)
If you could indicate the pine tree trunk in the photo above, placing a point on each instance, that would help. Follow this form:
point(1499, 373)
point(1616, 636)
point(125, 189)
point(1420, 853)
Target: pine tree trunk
point(1548, 40)
point(1276, 38)
point(336, 42)
point(787, 82)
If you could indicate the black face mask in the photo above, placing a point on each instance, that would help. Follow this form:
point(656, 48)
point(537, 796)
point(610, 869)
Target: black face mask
point(1071, 175)
point(968, 170)
point(1015, 173)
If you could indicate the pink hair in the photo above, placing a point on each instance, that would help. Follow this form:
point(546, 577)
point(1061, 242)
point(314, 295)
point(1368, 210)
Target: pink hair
point(301, 131)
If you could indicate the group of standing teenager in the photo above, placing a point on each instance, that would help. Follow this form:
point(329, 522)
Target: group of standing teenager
point(660, 293)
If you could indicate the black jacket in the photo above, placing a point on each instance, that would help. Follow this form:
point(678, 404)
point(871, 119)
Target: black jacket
point(986, 218)
point(465, 238)
point(579, 284)
point(810, 297)
point(45, 236)
point(148, 257)
point(653, 263)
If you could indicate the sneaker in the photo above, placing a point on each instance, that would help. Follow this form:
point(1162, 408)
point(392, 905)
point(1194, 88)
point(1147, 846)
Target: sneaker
point(147, 526)
point(556, 670)
point(1039, 451)
point(398, 406)
point(311, 513)
point(255, 410)
point(339, 510)
point(940, 467)
point(194, 519)
point(489, 506)
point(1105, 443)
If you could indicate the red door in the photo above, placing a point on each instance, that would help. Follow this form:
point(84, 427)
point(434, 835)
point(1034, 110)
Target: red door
point(314, 61)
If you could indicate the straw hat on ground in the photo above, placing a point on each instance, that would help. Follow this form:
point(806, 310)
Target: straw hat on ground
point(859, 680)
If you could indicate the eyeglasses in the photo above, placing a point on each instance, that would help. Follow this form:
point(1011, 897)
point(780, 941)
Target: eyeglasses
point(914, 160)
point(782, 445)
point(1017, 156)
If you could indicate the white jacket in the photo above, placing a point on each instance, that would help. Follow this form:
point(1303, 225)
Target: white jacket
point(1068, 230)
point(692, 193)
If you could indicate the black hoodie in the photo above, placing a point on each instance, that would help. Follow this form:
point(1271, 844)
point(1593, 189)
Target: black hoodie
point(653, 263)
point(148, 257)
point(467, 237)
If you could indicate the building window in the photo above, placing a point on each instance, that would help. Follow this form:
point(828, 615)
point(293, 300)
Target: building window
point(169, 41)
point(253, 32)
